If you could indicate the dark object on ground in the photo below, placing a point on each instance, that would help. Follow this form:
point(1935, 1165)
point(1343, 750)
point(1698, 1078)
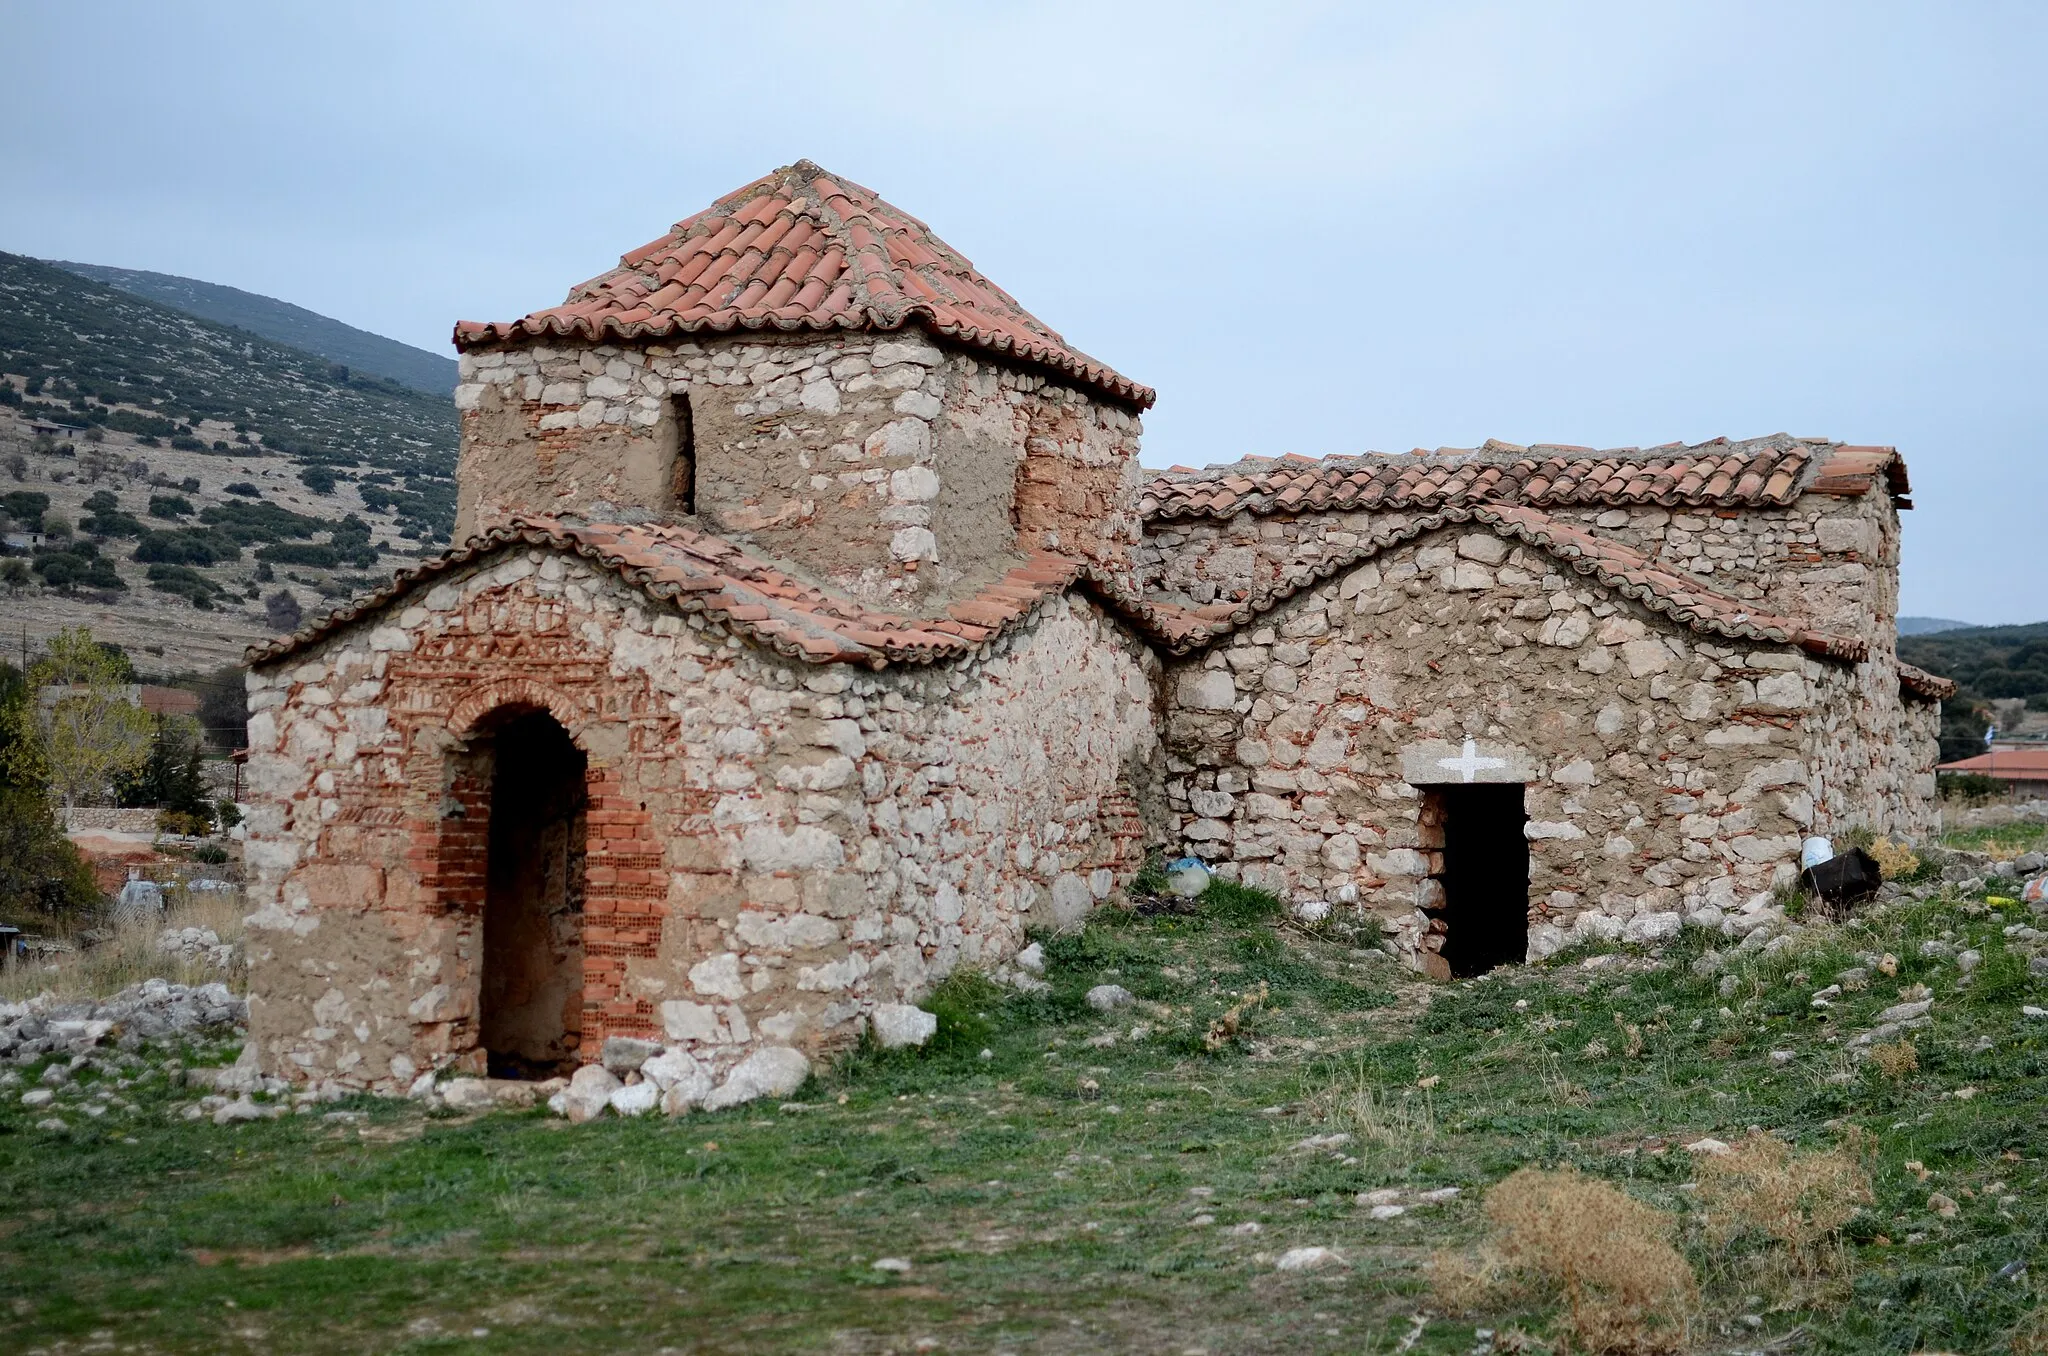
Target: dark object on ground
point(1147, 904)
point(1845, 880)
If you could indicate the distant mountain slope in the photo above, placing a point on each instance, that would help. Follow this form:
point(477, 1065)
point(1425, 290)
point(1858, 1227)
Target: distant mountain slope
point(86, 347)
point(1987, 661)
point(284, 323)
point(1927, 626)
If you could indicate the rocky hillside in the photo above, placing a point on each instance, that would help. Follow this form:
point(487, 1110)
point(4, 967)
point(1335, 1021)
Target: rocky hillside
point(283, 323)
point(165, 478)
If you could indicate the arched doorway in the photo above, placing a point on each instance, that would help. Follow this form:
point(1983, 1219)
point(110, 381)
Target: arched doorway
point(530, 1010)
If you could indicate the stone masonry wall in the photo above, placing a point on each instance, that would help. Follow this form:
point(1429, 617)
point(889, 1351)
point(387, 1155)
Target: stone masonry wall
point(889, 467)
point(1831, 559)
point(1665, 771)
point(773, 849)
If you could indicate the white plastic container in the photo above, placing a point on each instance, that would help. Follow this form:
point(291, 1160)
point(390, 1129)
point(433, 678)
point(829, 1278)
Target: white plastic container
point(1187, 877)
point(1814, 851)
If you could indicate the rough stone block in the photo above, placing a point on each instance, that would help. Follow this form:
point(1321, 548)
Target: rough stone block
point(1207, 690)
point(897, 1025)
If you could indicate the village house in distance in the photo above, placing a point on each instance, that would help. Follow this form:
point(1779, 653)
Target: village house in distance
point(814, 632)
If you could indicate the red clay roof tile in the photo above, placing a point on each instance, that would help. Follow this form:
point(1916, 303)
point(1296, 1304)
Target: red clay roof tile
point(703, 573)
point(1760, 473)
point(1917, 682)
point(753, 261)
point(1688, 600)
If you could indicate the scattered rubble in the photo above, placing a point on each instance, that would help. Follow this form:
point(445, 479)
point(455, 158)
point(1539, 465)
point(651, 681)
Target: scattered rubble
point(153, 1010)
point(1308, 1259)
point(1109, 997)
point(196, 945)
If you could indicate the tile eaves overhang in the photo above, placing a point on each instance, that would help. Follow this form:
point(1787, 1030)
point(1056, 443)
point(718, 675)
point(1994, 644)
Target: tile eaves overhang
point(1687, 600)
point(1918, 682)
point(1719, 474)
point(801, 249)
point(698, 572)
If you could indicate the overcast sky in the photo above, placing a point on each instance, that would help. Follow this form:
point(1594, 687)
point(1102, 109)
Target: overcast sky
point(1314, 228)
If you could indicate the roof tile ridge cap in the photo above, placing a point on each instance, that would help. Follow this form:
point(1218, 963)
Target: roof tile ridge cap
point(840, 232)
point(1657, 599)
point(1832, 644)
point(953, 647)
point(1149, 619)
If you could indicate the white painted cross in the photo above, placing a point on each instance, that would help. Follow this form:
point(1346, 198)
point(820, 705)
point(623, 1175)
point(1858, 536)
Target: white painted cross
point(1469, 762)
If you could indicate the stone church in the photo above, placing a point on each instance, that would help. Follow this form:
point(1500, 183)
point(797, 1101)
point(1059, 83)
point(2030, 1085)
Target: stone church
point(813, 631)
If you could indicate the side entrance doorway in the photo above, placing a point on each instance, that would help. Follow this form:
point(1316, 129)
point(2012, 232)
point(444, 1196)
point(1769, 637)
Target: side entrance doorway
point(530, 1015)
point(1481, 858)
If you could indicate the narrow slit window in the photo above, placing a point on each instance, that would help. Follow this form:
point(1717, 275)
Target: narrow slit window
point(683, 484)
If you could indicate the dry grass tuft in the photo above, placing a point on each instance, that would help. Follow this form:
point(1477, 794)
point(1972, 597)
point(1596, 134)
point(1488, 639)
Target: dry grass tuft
point(129, 955)
point(1560, 1089)
point(1626, 1289)
point(2030, 1338)
point(1375, 1116)
point(1798, 1201)
point(1226, 1028)
point(1631, 1036)
point(1894, 860)
point(1895, 1059)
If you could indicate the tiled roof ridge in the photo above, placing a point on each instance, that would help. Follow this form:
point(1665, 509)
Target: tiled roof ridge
point(1682, 596)
point(703, 573)
point(803, 249)
point(1757, 472)
point(1685, 598)
point(1918, 682)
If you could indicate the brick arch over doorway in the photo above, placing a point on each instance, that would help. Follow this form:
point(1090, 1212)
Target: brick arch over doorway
point(615, 876)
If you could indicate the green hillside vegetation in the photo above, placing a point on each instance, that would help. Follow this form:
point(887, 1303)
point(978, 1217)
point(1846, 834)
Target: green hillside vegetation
point(283, 323)
point(93, 356)
point(1988, 663)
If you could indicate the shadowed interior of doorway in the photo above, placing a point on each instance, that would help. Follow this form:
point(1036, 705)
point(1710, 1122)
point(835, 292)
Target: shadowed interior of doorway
point(531, 1009)
point(1480, 865)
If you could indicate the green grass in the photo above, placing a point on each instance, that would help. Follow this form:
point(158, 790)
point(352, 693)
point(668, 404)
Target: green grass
point(1046, 1195)
point(2000, 840)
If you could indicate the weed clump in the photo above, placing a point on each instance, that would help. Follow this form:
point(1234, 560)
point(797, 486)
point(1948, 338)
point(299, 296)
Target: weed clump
point(962, 1002)
point(1358, 1104)
point(1226, 1028)
point(1233, 903)
point(1895, 1059)
point(1896, 861)
point(1799, 1202)
point(1626, 1289)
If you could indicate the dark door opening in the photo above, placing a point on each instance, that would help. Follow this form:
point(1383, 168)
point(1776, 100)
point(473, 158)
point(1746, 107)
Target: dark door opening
point(531, 1009)
point(1485, 876)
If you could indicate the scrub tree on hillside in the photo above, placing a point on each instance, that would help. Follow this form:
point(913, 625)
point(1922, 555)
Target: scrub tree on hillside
point(87, 731)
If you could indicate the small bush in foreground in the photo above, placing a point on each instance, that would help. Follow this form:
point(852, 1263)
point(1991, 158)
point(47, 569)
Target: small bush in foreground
point(1231, 902)
point(1608, 1256)
point(962, 1003)
point(1798, 1201)
point(1895, 861)
point(1895, 1059)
